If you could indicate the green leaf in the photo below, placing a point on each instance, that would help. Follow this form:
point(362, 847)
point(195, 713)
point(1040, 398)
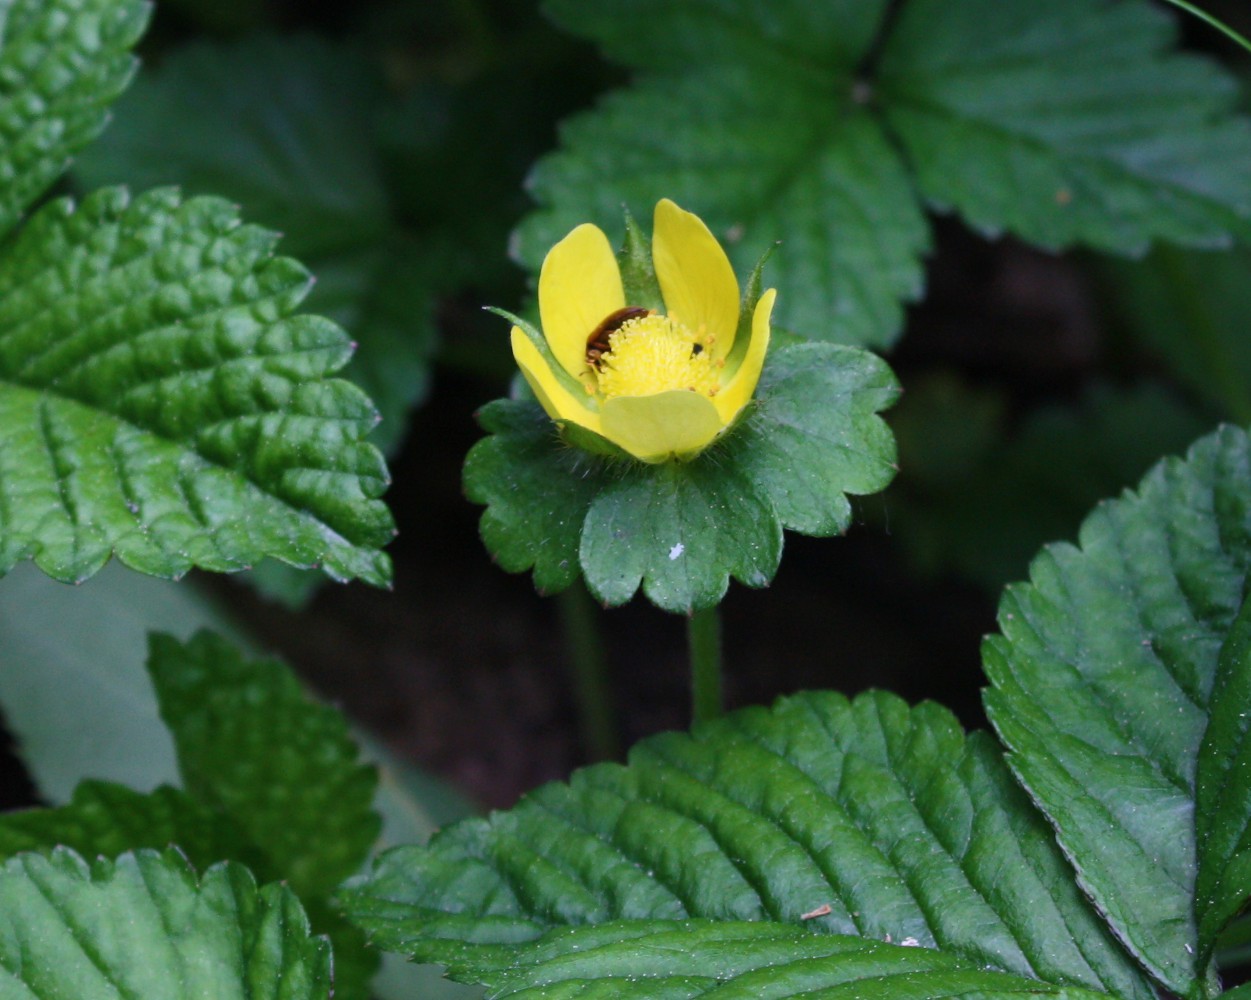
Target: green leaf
point(1102, 683)
point(285, 127)
point(681, 530)
point(165, 405)
point(733, 959)
point(145, 927)
point(109, 819)
point(1067, 122)
point(832, 816)
point(1223, 791)
point(1064, 123)
point(251, 742)
point(765, 150)
point(62, 63)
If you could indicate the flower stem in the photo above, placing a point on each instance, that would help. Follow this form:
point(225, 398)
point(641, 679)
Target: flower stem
point(588, 671)
point(1220, 26)
point(703, 633)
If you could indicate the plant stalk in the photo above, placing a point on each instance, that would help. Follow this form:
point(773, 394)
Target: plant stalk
point(588, 672)
point(1207, 18)
point(703, 633)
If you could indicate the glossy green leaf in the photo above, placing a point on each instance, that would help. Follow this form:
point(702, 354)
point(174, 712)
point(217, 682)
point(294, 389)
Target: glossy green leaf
point(831, 816)
point(62, 63)
point(165, 404)
point(145, 927)
point(1223, 791)
point(1067, 122)
point(108, 819)
point(285, 127)
point(251, 742)
point(681, 530)
point(1102, 686)
point(730, 959)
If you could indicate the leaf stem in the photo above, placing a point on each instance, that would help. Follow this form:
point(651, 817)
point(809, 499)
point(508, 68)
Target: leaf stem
point(703, 633)
point(588, 671)
point(1219, 25)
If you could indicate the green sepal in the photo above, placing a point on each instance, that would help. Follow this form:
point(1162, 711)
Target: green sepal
point(680, 530)
point(746, 310)
point(638, 273)
point(536, 337)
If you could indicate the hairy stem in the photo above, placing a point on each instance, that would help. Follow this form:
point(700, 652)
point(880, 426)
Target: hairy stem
point(588, 671)
point(703, 632)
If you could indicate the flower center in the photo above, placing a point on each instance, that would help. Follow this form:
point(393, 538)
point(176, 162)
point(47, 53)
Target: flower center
point(654, 353)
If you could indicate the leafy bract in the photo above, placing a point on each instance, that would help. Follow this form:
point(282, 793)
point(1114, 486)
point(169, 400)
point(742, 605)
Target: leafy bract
point(825, 815)
point(680, 530)
point(1102, 687)
point(252, 743)
point(162, 401)
point(285, 127)
point(62, 63)
point(1063, 123)
point(145, 927)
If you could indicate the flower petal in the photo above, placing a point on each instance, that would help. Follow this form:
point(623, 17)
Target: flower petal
point(579, 285)
point(695, 275)
point(656, 428)
point(558, 402)
point(736, 392)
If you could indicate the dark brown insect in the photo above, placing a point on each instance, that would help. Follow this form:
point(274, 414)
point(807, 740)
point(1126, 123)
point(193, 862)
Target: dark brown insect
point(597, 344)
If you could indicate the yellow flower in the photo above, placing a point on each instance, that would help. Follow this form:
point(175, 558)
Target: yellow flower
point(660, 386)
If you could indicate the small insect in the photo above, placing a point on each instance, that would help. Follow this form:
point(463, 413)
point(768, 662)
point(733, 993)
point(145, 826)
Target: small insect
point(597, 344)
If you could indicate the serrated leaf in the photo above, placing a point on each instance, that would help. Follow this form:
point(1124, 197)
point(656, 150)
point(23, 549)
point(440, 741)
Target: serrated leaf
point(62, 63)
point(162, 402)
point(758, 960)
point(763, 140)
point(301, 157)
point(832, 816)
point(1067, 122)
point(107, 819)
point(145, 927)
point(1102, 682)
point(1223, 791)
point(284, 768)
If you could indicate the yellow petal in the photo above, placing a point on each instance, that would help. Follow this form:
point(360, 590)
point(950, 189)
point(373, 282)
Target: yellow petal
point(579, 285)
point(666, 425)
point(556, 400)
point(696, 278)
point(736, 392)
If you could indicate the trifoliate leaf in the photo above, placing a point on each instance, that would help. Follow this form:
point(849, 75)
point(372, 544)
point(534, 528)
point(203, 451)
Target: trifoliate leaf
point(145, 927)
point(251, 742)
point(1064, 123)
point(681, 530)
point(162, 402)
point(695, 958)
point(302, 157)
point(106, 819)
point(830, 816)
point(1102, 685)
point(1223, 790)
point(1067, 122)
point(62, 63)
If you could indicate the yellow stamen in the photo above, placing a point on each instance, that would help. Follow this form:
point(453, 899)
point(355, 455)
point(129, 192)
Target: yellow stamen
point(654, 354)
